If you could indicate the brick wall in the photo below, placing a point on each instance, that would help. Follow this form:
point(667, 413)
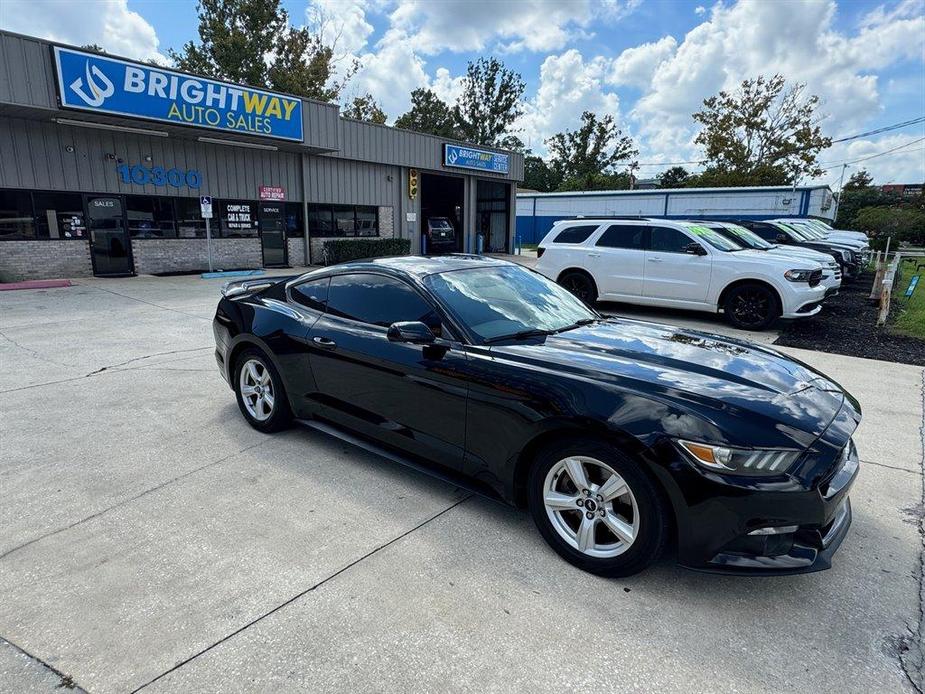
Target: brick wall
point(42, 260)
point(386, 231)
point(177, 255)
point(296, 252)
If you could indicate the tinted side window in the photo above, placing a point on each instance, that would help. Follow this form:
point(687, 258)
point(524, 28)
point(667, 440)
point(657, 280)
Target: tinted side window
point(668, 240)
point(623, 236)
point(765, 231)
point(377, 300)
point(313, 294)
point(575, 234)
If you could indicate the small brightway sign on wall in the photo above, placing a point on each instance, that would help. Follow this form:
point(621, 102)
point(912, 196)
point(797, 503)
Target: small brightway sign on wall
point(478, 159)
point(100, 84)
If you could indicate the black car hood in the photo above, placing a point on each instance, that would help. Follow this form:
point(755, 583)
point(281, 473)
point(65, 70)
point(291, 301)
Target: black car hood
point(708, 372)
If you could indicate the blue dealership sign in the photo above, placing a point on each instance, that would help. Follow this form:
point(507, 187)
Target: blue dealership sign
point(100, 84)
point(469, 158)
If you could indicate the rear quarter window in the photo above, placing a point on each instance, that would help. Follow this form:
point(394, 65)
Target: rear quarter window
point(575, 234)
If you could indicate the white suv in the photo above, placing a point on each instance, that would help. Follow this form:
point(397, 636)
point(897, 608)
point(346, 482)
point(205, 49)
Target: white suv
point(660, 262)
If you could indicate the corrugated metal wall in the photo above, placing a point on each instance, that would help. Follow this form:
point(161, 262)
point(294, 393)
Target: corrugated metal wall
point(33, 154)
point(348, 182)
point(26, 73)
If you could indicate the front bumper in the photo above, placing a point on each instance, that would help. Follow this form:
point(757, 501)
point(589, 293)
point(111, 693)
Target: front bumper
point(722, 522)
point(802, 300)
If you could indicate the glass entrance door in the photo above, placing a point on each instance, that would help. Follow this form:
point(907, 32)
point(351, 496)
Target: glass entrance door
point(110, 247)
point(273, 234)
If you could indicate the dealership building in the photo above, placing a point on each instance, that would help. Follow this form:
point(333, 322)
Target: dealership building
point(104, 163)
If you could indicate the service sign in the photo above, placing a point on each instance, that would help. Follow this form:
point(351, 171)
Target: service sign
point(479, 159)
point(100, 84)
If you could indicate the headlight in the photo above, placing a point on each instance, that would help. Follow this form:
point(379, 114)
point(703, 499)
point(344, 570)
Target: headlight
point(798, 275)
point(747, 461)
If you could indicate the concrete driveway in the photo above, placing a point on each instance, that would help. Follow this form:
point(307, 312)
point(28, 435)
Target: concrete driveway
point(150, 539)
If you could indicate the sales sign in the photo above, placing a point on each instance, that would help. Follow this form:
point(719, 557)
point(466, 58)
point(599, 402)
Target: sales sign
point(100, 84)
point(479, 159)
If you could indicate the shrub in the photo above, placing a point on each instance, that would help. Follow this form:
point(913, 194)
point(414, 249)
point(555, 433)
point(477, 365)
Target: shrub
point(342, 250)
point(903, 224)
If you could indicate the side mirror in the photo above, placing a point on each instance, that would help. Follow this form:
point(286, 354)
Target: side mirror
point(413, 332)
point(695, 249)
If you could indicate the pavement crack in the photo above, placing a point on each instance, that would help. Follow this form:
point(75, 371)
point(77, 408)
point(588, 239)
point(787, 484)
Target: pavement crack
point(893, 467)
point(112, 367)
point(67, 682)
point(32, 352)
point(125, 502)
point(911, 651)
point(305, 592)
point(151, 303)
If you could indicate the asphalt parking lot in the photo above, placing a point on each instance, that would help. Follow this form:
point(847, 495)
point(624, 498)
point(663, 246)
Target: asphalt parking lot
point(151, 539)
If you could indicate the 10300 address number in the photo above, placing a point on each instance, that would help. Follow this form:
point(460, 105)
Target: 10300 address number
point(159, 176)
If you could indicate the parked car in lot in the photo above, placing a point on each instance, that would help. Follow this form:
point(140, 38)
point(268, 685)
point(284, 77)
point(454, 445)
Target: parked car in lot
point(818, 227)
point(441, 236)
point(849, 256)
point(831, 272)
point(658, 262)
point(618, 435)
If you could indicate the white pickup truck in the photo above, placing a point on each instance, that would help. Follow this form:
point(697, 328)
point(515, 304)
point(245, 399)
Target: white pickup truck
point(677, 264)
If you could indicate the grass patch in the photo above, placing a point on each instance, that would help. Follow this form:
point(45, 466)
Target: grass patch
point(909, 311)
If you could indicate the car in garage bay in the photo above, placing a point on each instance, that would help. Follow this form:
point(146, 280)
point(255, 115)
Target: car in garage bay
point(618, 435)
point(677, 264)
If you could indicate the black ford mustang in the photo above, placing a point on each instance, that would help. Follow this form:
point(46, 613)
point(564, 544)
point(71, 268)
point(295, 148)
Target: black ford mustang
point(618, 435)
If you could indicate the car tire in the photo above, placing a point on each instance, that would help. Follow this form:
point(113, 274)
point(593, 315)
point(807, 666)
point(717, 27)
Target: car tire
point(581, 285)
point(623, 534)
point(751, 306)
point(265, 406)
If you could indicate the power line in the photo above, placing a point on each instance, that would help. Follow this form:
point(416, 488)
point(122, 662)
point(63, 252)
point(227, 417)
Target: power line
point(884, 129)
point(872, 156)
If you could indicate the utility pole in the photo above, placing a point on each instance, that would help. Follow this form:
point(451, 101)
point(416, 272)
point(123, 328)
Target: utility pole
point(841, 180)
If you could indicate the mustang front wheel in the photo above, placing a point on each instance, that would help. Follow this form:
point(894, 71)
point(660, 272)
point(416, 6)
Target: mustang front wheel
point(596, 508)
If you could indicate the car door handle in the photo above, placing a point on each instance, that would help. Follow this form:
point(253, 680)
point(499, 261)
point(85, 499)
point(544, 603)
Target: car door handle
point(594, 255)
point(324, 342)
point(655, 260)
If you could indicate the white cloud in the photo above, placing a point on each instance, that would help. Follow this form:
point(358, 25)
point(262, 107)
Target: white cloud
point(700, 10)
point(342, 22)
point(110, 25)
point(635, 67)
point(797, 40)
point(474, 25)
point(569, 85)
point(907, 165)
point(446, 86)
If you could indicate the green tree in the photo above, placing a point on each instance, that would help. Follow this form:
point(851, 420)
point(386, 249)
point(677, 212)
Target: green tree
point(490, 102)
point(675, 177)
point(903, 224)
point(429, 114)
point(585, 157)
point(596, 181)
point(764, 131)
point(851, 202)
point(538, 175)
point(252, 42)
point(365, 108)
point(859, 179)
point(94, 48)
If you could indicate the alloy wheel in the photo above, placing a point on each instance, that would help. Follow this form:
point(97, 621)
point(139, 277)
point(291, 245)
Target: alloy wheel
point(751, 307)
point(577, 286)
point(591, 507)
point(257, 389)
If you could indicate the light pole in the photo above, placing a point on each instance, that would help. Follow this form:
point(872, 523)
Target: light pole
point(841, 180)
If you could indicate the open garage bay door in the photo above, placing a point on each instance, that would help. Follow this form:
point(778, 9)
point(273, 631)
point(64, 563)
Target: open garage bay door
point(442, 197)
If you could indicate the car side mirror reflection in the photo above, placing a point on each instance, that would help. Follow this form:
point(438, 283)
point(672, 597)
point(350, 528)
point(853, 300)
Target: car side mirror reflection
point(695, 249)
point(413, 332)
point(780, 239)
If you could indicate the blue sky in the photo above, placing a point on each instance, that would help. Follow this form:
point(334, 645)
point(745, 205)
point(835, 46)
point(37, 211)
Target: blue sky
point(648, 62)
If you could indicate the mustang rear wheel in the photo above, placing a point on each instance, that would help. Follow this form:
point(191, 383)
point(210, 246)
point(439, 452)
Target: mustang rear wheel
point(260, 392)
point(596, 508)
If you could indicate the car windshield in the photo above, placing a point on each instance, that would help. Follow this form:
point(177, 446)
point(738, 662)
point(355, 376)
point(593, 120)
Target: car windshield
point(792, 230)
point(714, 238)
point(745, 237)
point(809, 230)
point(440, 224)
point(507, 302)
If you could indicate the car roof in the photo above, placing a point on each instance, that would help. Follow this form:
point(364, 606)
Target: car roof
point(417, 266)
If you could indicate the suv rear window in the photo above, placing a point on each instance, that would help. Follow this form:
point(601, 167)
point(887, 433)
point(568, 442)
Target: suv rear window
point(575, 234)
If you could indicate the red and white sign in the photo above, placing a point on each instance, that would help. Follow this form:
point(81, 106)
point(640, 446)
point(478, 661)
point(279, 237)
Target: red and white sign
point(272, 193)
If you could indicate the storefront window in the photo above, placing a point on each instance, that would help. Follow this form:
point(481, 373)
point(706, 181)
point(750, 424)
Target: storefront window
point(343, 220)
point(294, 226)
point(150, 217)
point(190, 224)
point(16, 220)
point(59, 216)
point(239, 218)
point(492, 215)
